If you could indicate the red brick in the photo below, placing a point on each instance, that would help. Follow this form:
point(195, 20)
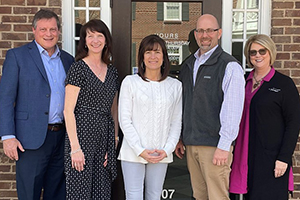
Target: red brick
point(279, 47)
point(30, 36)
point(10, 177)
point(296, 81)
point(277, 31)
point(296, 39)
point(292, 47)
point(55, 3)
point(36, 2)
point(22, 27)
point(277, 13)
point(8, 194)
point(14, 185)
point(18, 44)
point(5, 27)
point(296, 169)
point(19, 19)
point(281, 39)
point(292, 30)
point(283, 56)
point(284, 71)
point(292, 13)
point(295, 56)
point(5, 10)
point(291, 64)
point(281, 22)
point(13, 2)
point(282, 5)
point(13, 36)
point(4, 44)
point(295, 73)
point(277, 64)
point(296, 195)
point(297, 4)
point(5, 185)
point(5, 168)
point(296, 22)
point(25, 10)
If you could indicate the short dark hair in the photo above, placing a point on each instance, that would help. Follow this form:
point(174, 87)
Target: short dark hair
point(45, 14)
point(95, 25)
point(150, 43)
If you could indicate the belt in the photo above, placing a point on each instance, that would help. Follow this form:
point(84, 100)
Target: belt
point(55, 127)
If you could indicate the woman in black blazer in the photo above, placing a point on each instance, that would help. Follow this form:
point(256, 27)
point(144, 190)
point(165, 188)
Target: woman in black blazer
point(269, 127)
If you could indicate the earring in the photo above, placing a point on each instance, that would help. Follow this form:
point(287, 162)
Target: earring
point(143, 66)
point(85, 46)
point(163, 65)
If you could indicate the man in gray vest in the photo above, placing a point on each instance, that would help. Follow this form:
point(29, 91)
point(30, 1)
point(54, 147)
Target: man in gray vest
point(213, 99)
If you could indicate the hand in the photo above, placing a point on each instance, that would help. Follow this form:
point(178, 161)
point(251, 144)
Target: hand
point(280, 168)
point(179, 150)
point(153, 156)
point(105, 162)
point(10, 147)
point(161, 155)
point(78, 160)
point(116, 143)
point(220, 157)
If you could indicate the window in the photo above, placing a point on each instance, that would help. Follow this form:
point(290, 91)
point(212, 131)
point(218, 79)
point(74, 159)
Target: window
point(172, 11)
point(78, 12)
point(175, 54)
point(246, 18)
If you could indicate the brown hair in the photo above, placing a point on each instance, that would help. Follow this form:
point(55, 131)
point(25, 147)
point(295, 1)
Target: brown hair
point(150, 43)
point(45, 14)
point(95, 25)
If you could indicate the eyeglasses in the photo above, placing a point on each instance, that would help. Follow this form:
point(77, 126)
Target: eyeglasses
point(261, 52)
point(208, 31)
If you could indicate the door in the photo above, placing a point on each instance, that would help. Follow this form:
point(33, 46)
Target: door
point(173, 21)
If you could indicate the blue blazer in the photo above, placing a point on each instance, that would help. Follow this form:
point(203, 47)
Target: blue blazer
point(25, 95)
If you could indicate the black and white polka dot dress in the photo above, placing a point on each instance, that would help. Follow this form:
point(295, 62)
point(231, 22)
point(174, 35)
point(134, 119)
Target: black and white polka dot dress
point(95, 131)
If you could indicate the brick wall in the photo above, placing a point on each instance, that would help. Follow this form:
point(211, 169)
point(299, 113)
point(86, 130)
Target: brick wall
point(286, 34)
point(15, 30)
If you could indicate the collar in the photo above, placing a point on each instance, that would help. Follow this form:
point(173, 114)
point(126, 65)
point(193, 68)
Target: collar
point(266, 78)
point(43, 51)
point(206, 54)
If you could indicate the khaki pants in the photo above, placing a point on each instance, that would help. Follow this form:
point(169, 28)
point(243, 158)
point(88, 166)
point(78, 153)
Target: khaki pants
point(209, 181)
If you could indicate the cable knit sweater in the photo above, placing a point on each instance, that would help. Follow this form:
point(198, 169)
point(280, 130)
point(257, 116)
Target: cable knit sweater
point(150, 115)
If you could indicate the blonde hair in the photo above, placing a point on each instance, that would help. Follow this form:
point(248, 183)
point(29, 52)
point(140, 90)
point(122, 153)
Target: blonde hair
point(264, 41)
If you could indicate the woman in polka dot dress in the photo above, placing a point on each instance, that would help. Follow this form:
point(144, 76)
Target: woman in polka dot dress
point(91, 116)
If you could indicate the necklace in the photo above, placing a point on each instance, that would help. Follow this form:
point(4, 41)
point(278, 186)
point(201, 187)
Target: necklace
point(257, 82)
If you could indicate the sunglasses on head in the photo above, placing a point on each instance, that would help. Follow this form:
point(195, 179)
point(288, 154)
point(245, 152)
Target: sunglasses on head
point(261, 52)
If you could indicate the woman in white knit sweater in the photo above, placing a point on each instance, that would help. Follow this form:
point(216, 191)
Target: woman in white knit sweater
point(150, 108)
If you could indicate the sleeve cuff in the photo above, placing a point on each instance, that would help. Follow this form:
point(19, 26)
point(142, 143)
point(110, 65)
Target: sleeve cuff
point(6, 137)
point(224, 144)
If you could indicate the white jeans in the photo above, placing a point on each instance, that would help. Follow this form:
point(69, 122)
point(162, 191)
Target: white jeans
point(136, 175)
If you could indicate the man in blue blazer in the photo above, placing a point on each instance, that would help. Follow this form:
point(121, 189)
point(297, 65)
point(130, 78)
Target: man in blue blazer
point(31, 110)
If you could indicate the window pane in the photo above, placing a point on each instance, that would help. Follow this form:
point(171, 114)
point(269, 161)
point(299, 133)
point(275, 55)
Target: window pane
point(173, 11)
point(79, 3)
point(237, 25)
point(94, 14)
point(252, 4)
point(237, 51)
point(80, 17)
point(95, 3)
point(238, 4)
point(252, 23)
